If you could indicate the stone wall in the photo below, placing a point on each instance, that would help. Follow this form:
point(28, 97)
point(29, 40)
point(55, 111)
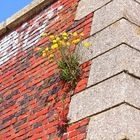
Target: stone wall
point(112, 97)
point(105, 105)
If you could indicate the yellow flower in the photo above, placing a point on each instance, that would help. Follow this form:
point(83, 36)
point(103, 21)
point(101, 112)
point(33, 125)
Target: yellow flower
point(43, 34)
point(52, 36)
point(51, 56)
point(62, 42)
point(86, 44)
point(65, 38)
point(54, 46)
point(68, 43)
point(54, 41)
point(47, 49)
point(64, 34)
point(58, 39)
point(75, 34)
point(76, 41)
point(82, 34)
point(38, 49)
point(43, 53)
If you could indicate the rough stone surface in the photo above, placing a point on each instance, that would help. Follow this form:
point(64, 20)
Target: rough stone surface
point(2, 28)
point(87, 6)
point(113, 62)
point(116, 124)
point(121, 31)
point(105, 95)
point(121, 8)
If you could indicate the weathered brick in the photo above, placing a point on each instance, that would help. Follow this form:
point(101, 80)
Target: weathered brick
point(29, 82)
point(38, 124)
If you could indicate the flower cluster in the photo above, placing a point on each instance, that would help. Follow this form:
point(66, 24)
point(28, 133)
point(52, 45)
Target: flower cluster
point(60, 48)
point(61, 42)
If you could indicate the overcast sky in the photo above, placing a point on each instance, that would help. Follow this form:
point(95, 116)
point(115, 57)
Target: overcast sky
point(9, 7)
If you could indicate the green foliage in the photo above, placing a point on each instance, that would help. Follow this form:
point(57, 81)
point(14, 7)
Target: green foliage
point(62, 46)
point(70, 69)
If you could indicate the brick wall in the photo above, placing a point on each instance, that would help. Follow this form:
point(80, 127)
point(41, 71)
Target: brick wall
point(29, 84)
point(104, 105)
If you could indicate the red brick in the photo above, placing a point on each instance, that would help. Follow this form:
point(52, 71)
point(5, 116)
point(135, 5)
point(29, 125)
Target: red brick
point(72, 134)
point(51, 130)
point(81, 136)
point(24, 126)
point(84, 122)
point(73, 126)
point(80, 88)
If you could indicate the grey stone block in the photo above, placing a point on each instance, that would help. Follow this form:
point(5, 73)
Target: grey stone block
point(116, 124)
point(87, 6)
point(113, 12)
point(113, 62)
point(138, 1)
point(105, 95)
point(121, 31)
point(2, 28)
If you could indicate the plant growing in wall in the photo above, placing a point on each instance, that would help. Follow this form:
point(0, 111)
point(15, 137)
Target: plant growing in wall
point(61, 115)
point(60, 49)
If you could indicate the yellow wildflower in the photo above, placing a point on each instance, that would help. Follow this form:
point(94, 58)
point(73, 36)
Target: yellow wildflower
point(62, 42)
point(43, 53)
point(52, 36)
point(54, 41)
point(86, 44)
point(47, 49)
point(54, 46)
point(76, 41)
point(58, 39)
point(75, 34)
point(68, 43)
point(51, 56)
point(64, 34)
point(43, 34)
point(65, 38)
